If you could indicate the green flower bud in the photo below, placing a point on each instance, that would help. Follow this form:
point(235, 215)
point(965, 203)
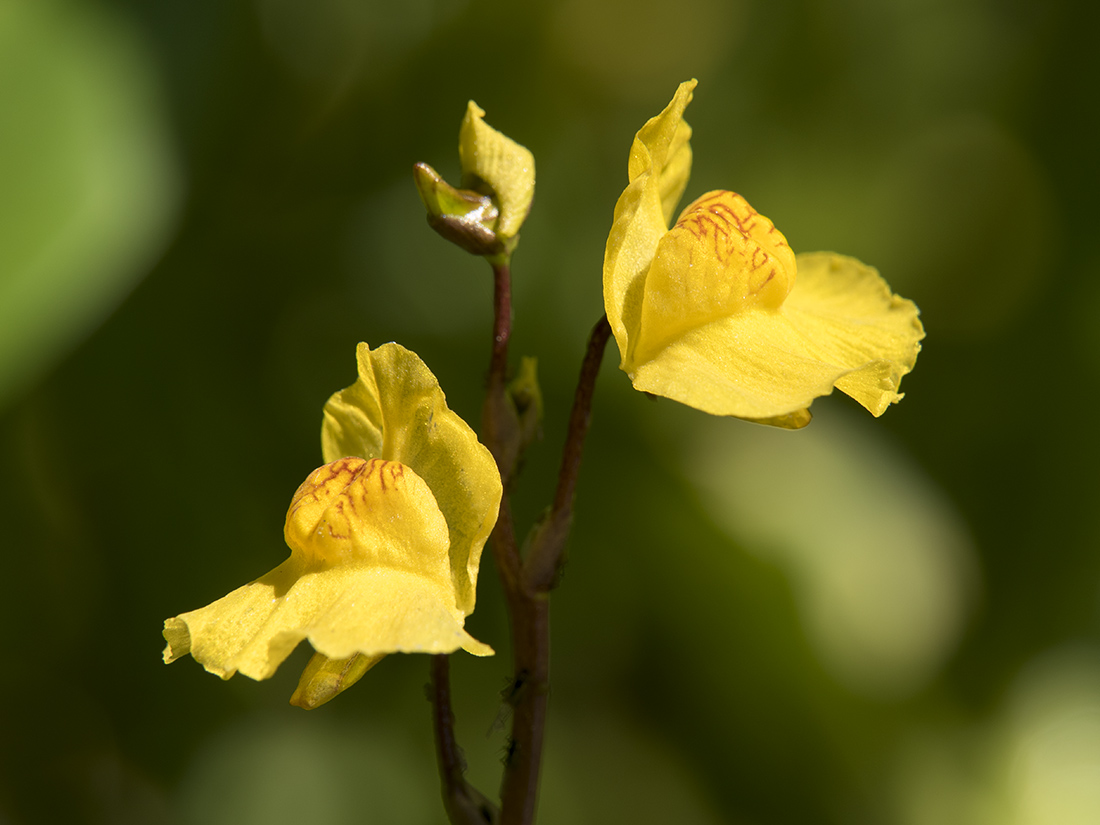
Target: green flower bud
point(463, 217)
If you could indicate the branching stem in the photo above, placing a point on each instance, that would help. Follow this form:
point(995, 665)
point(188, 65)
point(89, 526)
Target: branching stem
point(540, 570)
point(527, 584)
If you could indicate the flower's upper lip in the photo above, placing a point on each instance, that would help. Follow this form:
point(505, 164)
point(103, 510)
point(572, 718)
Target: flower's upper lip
point(397, 411)
point(659, 167)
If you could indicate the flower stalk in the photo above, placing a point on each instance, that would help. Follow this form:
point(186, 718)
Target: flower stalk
point(544, 560)
point(528, 615)
point(528, 696)
point(527, 583)
point(465, 805)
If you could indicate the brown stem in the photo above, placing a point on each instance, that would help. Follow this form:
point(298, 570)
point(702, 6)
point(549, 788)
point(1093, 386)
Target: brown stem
point(495, 425)
point(443, 721)
point(495, 413)
point(464, 804)
point(528, 615)
point(529, 607)
point(541, 567)
point(527, 587)
point(502, 322)
point(505, 550)
point(528, 696)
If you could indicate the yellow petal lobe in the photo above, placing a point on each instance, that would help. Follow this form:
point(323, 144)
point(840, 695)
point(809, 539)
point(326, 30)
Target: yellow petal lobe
point(368, 512)
point(851, 317)
point(721, 257)
point(658, 171)
point(397, 411)
point(840, 326)
point(324, 678)
point(492, 161)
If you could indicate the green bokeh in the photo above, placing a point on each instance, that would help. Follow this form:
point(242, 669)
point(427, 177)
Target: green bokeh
point(253, 165)
point(88, 186)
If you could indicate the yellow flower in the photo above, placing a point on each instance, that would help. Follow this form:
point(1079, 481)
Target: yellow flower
point(711, 313)
point(385, 541)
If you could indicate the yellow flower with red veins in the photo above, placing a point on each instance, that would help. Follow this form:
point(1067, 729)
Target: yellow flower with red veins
point(718, 312)
point(385, 541)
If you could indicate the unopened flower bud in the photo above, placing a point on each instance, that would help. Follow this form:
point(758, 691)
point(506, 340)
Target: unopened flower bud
point(462, 216)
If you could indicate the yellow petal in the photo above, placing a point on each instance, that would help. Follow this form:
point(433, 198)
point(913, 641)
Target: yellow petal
point(660, 163)
point(375, 512)
point(397, 411)
point(502, 165)
point(840, 326)
point(324, 678)
point(662, 151)
point(342, 611)
point(218, 636)
point(369, 574)
point(721, 257)
point(848, 312)
point(788, 421)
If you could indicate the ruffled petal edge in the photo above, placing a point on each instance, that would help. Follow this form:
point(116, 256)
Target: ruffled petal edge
point(840, 327)
point(341, 611)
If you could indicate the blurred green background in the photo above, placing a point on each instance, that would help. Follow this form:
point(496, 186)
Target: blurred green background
point(205, 205)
